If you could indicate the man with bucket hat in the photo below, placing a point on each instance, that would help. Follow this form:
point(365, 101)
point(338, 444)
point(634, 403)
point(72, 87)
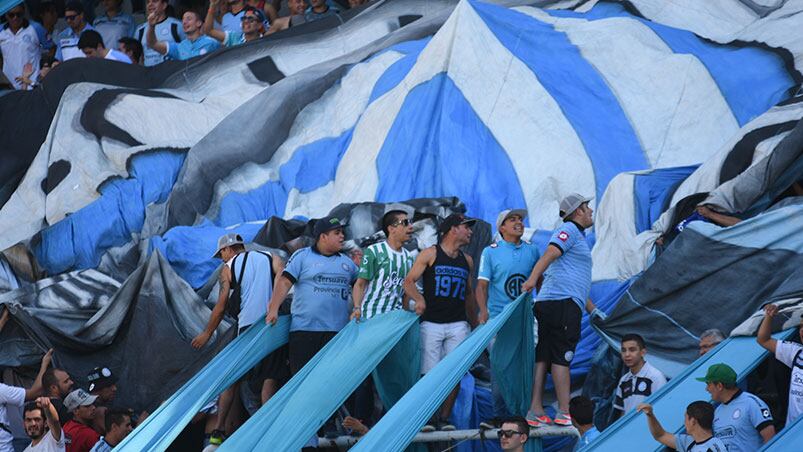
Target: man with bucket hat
point(566, 270)
point(741, 420)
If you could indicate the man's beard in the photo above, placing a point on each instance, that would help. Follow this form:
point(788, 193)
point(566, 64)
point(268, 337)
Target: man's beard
point(40, 432)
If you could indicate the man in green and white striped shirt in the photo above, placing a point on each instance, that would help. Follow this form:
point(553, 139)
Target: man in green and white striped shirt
point(380, 282)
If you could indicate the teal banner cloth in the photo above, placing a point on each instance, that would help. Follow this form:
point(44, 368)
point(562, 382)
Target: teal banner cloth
point(513, 357)
point(294, 414)
point(159, 429)
point(401, 423)
point(400, 369)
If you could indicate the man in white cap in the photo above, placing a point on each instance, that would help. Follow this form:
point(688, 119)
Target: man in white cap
point(504, 266)
point(79, 429)
point(566, 269)
point(246, 285)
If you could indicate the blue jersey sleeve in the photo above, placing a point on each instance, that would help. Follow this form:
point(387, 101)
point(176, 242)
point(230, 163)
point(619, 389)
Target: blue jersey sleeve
point(486, 269)
point(564, 238)
point(172, 50)
point(760, 415)
point(295, 263)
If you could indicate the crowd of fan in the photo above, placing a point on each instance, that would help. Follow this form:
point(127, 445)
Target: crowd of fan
point(31, 44)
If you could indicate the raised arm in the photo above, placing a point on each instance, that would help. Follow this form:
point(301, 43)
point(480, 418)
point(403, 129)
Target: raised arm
point(218, 311)
point(209, 22)
point(52, 417)
point(764, 337)
point(656, 430)
point(424, 259)
point(552, 252)
point(159, 46)
point(36, 388)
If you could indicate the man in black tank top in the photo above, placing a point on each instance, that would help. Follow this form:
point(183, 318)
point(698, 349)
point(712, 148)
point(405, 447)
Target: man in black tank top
point(446, 273)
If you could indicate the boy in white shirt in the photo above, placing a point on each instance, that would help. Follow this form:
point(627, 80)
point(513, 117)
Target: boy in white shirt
point(641, 380)
point(789, 353)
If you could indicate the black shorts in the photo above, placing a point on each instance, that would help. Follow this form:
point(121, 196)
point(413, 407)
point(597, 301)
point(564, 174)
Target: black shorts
point(558, 331)
point(303, 345)
point(275, 366)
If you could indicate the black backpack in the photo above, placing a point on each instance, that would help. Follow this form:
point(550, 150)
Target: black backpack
point(235, 297)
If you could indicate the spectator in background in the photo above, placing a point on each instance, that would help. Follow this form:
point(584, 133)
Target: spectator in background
point(581, 408)
point(91, 43)
point(194, 45)
point(57, 383)
point(566, 269)
point(19, 45)
point(380, 283)
point(167, 30)
point(741, 420)
point(698, 420)
point(231, 20)
point(789, 353)
point(641, 380)
point(504, 266)
point(36, 416)
point(356, 254)
point(132, 48)
point(67, 40)
point(81, 436)
point(296, 17)
point(118, 426)
point(103, 384)
point(710, 339)
point(252, 22)
point(269, 9)
point(319, 9)
point(446, 304)
point(45, 18)
point(513, 433)
point(114, 24)
point(15, 397)
point(356, 3)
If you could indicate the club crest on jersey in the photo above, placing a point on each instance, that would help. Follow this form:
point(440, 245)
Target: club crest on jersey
point(563, 236)
point(494, 245)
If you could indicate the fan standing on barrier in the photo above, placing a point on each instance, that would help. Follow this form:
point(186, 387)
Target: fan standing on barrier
point(504, 266)
point(789, 353)
point(246, 285)
point(446, 273)
point(566, 268)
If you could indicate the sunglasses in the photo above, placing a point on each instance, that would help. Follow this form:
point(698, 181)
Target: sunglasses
point(249, 19)
point(13, 15)
point(405, 222)
point(70, 18)
point(508, 433)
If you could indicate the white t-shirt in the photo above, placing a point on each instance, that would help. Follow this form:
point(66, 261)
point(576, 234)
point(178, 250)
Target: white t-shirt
point(48, 444)
point(117, 55)
point(19, 49)
point(791, 354)
point(9, 396)
point(633, 389)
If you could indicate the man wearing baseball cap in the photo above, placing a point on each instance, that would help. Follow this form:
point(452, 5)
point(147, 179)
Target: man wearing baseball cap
point(79, 430)
point(504, 266)
point(566, 269)
point(444, 305)
point(741, 420)
point(246, 284)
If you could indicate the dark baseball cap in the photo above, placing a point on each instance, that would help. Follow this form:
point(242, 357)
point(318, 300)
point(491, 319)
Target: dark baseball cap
point(720, 373)
point(100, 377)
point(327, 224)
point(455, 219)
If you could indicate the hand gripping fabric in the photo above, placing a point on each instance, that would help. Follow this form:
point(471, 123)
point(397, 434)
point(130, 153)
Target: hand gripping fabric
point(296, 412)
point(244, 352)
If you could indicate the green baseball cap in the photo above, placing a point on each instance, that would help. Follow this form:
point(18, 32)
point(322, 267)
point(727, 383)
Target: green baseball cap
point(719, 373)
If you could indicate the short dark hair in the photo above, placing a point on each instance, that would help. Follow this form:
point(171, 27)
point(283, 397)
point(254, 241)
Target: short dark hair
point(635, 338)
point(116, 416)
point(75, 7)
point(197, 15)
point(90, 39)
point(49, 378)
point(702, 412)
point(520, 422)
point(133, 46)
point(30, 406)
point(46, 6)
point(581, 409)
point(389, 218)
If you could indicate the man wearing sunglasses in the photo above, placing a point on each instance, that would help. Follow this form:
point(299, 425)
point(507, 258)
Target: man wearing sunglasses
point(513, 433)
point(231, 20)
point(252, 23)
point(196, 43)
point(67, 40)
point(20, 47)
point(167, 30)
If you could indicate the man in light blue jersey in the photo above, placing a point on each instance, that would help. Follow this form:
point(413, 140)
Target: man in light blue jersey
point(253, 26)
point(67, 40)
point(246, 286)
point(320, 9)
point(194, 45)
point(114, 24)
point(167, 29)
point(698, 421)
point(566, 269)
point(504, 266)
point(741, 420)
point(231, 20)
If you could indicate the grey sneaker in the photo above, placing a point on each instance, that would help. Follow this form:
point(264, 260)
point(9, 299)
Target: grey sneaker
point(445, 426)
point(429, 428)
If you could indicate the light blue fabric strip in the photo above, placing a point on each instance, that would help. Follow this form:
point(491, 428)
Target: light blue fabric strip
point(159, 429)
point(296, 412)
